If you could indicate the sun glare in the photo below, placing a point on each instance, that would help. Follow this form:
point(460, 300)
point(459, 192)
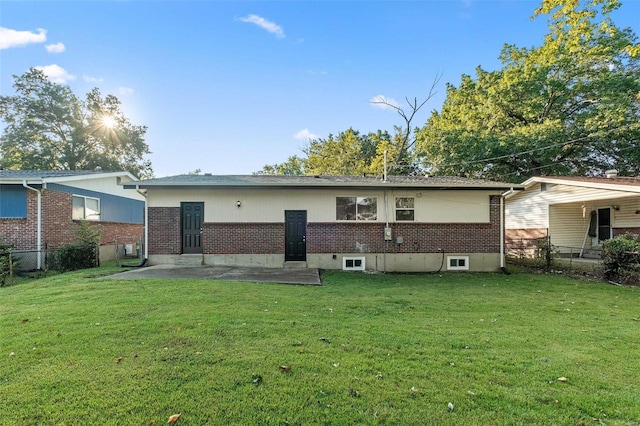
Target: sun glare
point(108, 122)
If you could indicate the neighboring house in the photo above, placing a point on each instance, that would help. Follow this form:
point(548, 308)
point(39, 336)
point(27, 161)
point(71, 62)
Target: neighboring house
point(38, 209)
point(330, 222)
point(576, 213)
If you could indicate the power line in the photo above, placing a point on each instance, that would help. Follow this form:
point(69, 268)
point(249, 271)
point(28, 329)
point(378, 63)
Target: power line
point(531, 151)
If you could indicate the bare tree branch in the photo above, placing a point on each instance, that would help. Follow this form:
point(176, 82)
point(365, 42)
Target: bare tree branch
point(408, 115)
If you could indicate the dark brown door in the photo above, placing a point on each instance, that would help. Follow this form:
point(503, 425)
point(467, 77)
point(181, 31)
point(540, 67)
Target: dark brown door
point(295, 222)
point(192, 217)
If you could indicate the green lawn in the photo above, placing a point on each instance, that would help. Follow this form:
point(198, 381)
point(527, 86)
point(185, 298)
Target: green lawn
point(78, 349)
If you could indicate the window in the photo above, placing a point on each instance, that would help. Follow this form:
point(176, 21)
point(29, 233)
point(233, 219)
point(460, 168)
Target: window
point(356, 208)
point(353, 263)
point(404, 209)
point(13, 202)
point(86, 208)
point(457, 263)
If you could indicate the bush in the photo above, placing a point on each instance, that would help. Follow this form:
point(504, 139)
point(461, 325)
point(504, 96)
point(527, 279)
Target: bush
point(620, 256)
point(82, 253)
point(5, 263)
point(70, 257)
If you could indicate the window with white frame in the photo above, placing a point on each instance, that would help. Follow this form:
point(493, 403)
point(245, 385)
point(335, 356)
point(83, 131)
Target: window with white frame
point(405, 209)
point(86, 208)
point(356, 208)
point(457, 263)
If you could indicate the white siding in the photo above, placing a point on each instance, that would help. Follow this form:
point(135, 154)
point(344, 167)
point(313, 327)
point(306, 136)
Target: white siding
point(568, 226)
point(566, 211)
point(527, 209)
point(107, 185)
point(559, 194)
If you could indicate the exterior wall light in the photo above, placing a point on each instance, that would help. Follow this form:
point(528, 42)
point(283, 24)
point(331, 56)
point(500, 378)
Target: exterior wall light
point(238, 203)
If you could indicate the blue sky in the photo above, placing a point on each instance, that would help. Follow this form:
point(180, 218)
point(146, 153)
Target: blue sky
point(229, 86)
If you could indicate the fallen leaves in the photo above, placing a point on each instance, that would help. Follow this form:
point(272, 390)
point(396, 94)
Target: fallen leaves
point(284, 367)
point(174, 418)
point(562, 379)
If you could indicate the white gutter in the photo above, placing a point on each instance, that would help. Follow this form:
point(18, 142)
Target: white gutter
point(146, 222)
point(39, 226)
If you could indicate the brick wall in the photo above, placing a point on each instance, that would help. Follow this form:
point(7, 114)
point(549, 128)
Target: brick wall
point(164, 230)
point(22, 233)
point(414, 238)
point(57, 226)
point(243, 238)
point(621, 231)
point(364, 237)
point(528, 233)
point(127, 233)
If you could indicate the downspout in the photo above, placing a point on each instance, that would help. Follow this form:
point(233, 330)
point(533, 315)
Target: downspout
point(39, 224)
point(502, 226)
point(146, 223)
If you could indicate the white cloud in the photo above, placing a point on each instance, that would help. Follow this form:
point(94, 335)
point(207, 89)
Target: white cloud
point(90, 79)
point(381, 101)
point(125, 91)
point(55, 48)
point(56, 73)
point(13, 38)
point(305, 135)
point(269, 26)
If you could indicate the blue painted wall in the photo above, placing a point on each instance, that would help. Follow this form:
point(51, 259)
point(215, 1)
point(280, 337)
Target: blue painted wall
point(112, 207)
point(13, 201)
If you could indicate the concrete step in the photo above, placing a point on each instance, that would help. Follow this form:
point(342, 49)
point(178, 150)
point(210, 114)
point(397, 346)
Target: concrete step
point(592, 254)
point(295, 265)
point(189, 260)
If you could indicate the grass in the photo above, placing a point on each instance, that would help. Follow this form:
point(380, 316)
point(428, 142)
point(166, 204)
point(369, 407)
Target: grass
point(78, 349)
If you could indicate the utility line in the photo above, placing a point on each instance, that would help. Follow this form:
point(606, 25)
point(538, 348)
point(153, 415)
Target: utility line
point(531, 151)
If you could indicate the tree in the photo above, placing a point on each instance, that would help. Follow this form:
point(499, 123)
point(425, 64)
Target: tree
point(294, 166)
point(350, 153)
point(49, 128)
point(401, 149)
point(568, 107)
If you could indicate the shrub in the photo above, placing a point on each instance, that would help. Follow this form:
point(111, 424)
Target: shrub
point(620, 256)
point(5, 263)
point(82, 253)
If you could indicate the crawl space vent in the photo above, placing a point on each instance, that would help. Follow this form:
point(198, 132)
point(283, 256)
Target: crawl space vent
point(353, 263)
point(457, 263)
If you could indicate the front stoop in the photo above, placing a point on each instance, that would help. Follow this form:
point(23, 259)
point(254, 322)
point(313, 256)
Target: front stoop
point(295, 265)
point(189, 260)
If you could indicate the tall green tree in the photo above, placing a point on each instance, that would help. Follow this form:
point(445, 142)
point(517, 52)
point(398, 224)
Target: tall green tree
point(294, 166)
point(48, 127)
point(351, 153)
point(568, 107)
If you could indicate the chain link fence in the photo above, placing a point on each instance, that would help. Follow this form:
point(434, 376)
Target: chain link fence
point(541, 253)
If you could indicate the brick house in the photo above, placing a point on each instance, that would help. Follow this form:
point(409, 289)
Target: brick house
point(332, 222)
point(38, 209)
point(575, 213)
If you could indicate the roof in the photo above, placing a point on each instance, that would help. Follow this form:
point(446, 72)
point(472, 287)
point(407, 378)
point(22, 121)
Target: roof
point(618, 183)
point(44, 176)
point(280, 181)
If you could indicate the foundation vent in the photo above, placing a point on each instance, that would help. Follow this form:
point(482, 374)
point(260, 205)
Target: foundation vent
point(353, 263)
